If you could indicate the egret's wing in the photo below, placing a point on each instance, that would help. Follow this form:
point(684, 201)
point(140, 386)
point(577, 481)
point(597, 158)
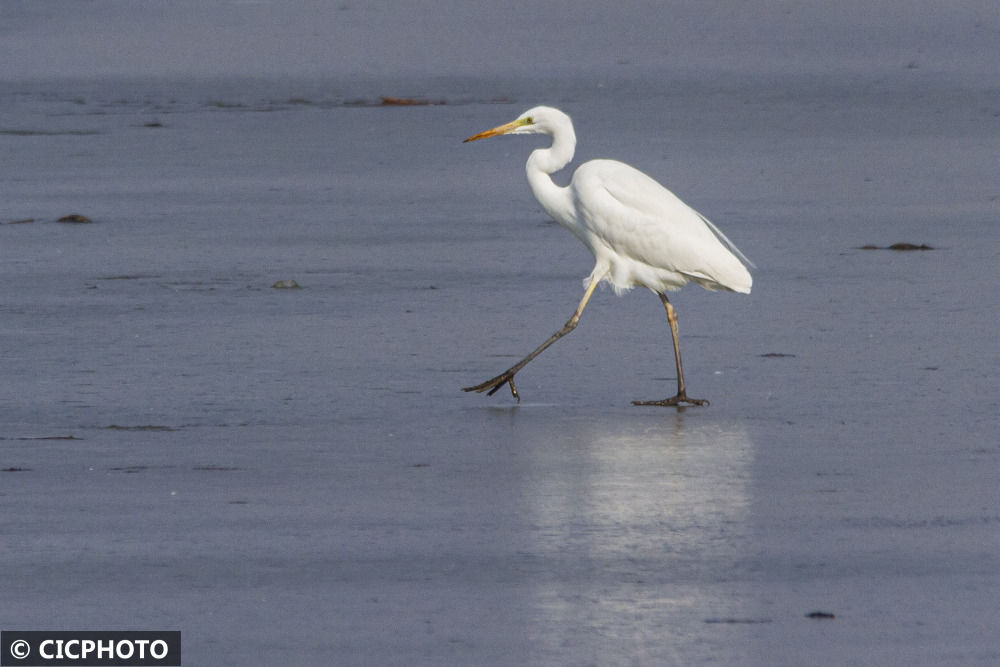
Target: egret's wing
point(638, 218)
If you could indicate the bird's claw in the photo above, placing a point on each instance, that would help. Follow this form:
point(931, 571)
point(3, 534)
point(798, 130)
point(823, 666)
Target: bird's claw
point(513, 389)
point(680, 400)
point(493, 386)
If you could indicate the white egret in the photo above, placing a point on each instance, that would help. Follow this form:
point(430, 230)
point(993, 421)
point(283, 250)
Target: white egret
point(640, 233)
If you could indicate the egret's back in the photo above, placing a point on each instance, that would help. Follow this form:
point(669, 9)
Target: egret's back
point(642, 235)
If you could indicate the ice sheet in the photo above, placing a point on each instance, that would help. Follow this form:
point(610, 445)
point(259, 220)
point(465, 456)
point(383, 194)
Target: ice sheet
point(293, 476)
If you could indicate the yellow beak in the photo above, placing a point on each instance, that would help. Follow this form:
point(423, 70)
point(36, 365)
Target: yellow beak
point(502, 129)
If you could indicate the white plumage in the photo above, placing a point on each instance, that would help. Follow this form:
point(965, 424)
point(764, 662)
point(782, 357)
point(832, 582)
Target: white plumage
point(646, 236)
point(640, 233)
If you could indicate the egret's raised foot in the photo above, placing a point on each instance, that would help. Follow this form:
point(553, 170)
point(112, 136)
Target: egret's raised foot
point(674, 401)
point(494, 385)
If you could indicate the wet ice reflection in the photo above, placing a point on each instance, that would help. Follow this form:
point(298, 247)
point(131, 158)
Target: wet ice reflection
point(634, 529)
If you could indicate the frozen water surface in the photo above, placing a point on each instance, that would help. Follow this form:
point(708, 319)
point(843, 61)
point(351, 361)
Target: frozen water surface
point(293, 476)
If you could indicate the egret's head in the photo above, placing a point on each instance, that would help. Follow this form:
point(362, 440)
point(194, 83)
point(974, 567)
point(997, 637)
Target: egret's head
point(539, 120)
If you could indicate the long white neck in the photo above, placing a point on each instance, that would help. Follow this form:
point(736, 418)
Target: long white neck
point(556, 200)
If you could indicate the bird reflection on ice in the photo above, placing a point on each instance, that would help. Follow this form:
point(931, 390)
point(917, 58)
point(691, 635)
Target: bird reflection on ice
point(634, 529)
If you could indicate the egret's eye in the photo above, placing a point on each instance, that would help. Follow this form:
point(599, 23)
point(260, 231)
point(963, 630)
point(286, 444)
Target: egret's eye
point(530, 120)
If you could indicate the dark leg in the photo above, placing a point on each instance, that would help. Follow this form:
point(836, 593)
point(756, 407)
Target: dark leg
point(681, 398)
point(507, 377)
